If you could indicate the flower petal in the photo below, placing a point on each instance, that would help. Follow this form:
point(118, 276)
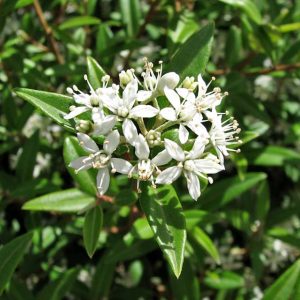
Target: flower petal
point(197, 127)
point(202, 87)
point(169, 80)
point(186, 94)
point(121, 165)
point(207, 166)
point(173, 98)
point(143, 111)
point(142, 150)
point(129, 131)
point(168, 175)
point(81, 163)
point(174, 150)
point(143, 95)
point(183, 134)
point(193, 184)
point(111, 142)
point(169, 114)
point(103, 180)
point(130, 93)
point(76, 112)
point(105, 126)
point(162, 158)
point(198, 148)
point(87, 143)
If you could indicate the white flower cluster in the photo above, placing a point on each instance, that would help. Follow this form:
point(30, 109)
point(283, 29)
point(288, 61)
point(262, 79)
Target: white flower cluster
point(138, 114)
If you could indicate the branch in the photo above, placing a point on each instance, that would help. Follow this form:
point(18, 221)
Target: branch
point(281, 67)
point(48, 31)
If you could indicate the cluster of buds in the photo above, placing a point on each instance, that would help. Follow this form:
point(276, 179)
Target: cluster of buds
point(170, 129)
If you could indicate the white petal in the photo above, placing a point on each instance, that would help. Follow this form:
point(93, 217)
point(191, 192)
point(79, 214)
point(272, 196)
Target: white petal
point(121, 165)
point(143, 111)
point(169, 80)
point(183, 134)
point(87, 143)
point(143, 95)
point(198, 148)
point(193, 185)
point(103, 180)
point(129, 131)
point(207, 166)
point(142, 150)
point(105, 126)
point(76, 112)
point(97, 116)
point(202, 87)
point(173, 98)
point(186, 94)
point(197, 127)
point(162, 158)
point(81, 163)
point(130, 92)
point(168, 175)
point(174, 150)
point(169, 114)
point(111, 142)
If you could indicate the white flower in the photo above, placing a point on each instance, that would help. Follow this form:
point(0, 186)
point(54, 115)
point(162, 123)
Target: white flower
point(145, 166)
point(184, 113)
point(101, 159)
point(190, 164)
point(154, 84)
point(103, 124)
point(87, 102)
point(223, 134)
point(124, 107)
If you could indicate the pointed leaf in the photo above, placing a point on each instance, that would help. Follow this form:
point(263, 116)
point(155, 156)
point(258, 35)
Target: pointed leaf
point(91, 229)
point(95, 72)
point(79, 22)
point(165, 216)
point(11, 255)
point(71, 200)
point(193, 55)
point(53, 105)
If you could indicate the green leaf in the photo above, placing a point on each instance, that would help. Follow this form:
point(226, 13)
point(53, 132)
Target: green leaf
point(226, 190)
point(205, 242)
point(165, 216)
point(272, 156)
point(27, 159)
point(249, 8)
point(11, 255)
point(95, 72)
point(53, 105)
point(79, 22)
point(233, 45)
point(71, 200)
point(287, 286)
point(57, 289)
point(92, 228)
point(224, 280)
point(289, 27)
point(187, 285)
point(131, 16)
point(85, 179)
point(263, 201)
point(193, 55)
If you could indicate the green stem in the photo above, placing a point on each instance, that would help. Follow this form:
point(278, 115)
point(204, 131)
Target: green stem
point(166, 125)
point(142, 126)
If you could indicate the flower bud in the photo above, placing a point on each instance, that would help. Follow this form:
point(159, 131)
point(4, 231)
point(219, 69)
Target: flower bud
point(126, 77)
point(84, 126)
point(169, 80)
point(189, 83)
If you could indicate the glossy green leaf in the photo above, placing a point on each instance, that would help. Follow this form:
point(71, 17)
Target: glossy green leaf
point(95, 72)
point(85, 179)
point(11, 255)
point(249, 8)
point(233, 45)
point(92, 227)
point(27, 159)
point(226, 190)
point(196, 216)
point(79, 22)
point(165, 216)
point(71, 200)
point(205, 242)
point(192, 57)
point(287, 286)
point(131, 15)
point(53, 105)
point(272, 156)
point(224, 280)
